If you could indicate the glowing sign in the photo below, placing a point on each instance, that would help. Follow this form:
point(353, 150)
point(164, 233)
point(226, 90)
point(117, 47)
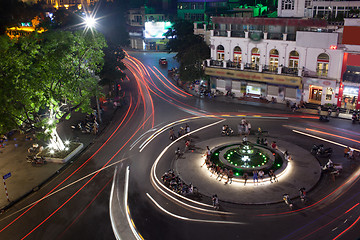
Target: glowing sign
point(156, 29)
point(333, 47)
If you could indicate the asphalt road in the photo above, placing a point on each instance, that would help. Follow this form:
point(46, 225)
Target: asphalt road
point(79, 205)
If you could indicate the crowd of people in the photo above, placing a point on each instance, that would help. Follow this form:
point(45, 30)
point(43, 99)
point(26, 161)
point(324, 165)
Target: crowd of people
point(175, 183)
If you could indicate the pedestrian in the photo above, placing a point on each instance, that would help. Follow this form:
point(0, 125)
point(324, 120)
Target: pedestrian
point(208, 152)
point(274, 146)
point(346, 152)
point(249, 128)
point(187, 145)
point(351, 153)
point(245, 177)
point(187, 128)
point(319, 110)
point(230, 176)
point(215, 201)
point(266, 142)
point(258, 140)
point(221, 173)
point(172, 134)
point(239, 129)
point(255, 176)
point(245, 139)
point(178, 153)
point(261, 175)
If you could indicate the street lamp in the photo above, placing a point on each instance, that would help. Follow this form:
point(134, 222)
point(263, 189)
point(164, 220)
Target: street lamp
point(90, 22)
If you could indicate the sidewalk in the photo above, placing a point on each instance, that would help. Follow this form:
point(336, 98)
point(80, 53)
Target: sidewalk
point(26, 178)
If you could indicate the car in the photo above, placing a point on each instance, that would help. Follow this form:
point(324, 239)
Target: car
point(163, 61)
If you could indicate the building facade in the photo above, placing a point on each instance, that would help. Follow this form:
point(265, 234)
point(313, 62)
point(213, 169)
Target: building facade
point(275, 58)
point(349, 90)
point(313, 8)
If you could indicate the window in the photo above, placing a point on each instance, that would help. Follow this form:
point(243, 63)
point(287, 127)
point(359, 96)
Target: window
point(287, 5)
point(294, 59)
point(237, 55)
point(220, 52)
point(274, 60)
point(322, 65)
point(255, 56)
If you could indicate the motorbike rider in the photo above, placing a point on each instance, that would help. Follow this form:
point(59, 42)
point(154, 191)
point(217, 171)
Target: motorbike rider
point(302, 193)
point(287, 200)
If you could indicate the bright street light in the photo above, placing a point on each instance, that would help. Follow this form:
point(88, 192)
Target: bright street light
point(90, 22)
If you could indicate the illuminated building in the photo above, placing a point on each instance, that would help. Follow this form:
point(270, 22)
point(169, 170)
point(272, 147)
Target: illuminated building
point(311, 8)
point(349, 90)
point(285, 58)
point(146, 28)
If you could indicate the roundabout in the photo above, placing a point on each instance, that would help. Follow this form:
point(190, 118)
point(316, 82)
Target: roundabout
point(302, 171)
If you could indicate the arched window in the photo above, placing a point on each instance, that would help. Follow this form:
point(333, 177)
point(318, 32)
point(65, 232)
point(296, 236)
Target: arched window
point(255, 56)
point(322, 65)
point(237, 55)
point(220, 52)
point(294, 59)
point(274, 60)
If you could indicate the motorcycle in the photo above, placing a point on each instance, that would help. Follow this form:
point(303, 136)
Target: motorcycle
point(320, 151)
point(288, 201)
point(227, 132)
point(355, 117)
point(36, 160)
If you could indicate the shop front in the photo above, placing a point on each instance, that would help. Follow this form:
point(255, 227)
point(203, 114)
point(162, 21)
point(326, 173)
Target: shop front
point(255, 84)
point(319, 91)
point(350, 96)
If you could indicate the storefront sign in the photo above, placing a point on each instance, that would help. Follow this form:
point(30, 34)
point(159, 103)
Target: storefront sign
point(319, 82)
point(255, 76)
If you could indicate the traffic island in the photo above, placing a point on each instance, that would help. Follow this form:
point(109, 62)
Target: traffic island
point(302, 171)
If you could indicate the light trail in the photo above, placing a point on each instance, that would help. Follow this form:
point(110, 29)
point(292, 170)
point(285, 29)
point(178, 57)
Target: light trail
point(189, 219)
point(323, 139)
point(333, 135)
point(351, 226)
point(47, 218)
point(180, 90)
point(153, 168)
point(182, 95)
point(318, 229)
point(80, 167)
point(82, 212)
point(63, 188)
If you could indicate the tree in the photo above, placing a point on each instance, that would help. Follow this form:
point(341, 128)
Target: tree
point(45, 76)
point(191, 50)
point(113, 66)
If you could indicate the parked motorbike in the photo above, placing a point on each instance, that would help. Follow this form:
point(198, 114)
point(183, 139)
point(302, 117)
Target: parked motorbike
point(323, 118)
point(355, 117)
point(36, 160)
point(288, 201)
point(227, 132)
point(320, 151)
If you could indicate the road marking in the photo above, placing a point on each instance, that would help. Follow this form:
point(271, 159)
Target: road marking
point(189, 219)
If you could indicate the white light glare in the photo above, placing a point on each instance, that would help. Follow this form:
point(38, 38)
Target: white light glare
point(90, 21)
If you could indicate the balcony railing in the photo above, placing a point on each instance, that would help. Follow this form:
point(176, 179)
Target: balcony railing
point(220, 33)
point(292, 71)
point(255, 67)
point(275, 36)
point(270, 68)
point(240, 34)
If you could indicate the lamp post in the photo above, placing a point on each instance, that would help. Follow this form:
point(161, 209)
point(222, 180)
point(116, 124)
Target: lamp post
point(90, 23)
